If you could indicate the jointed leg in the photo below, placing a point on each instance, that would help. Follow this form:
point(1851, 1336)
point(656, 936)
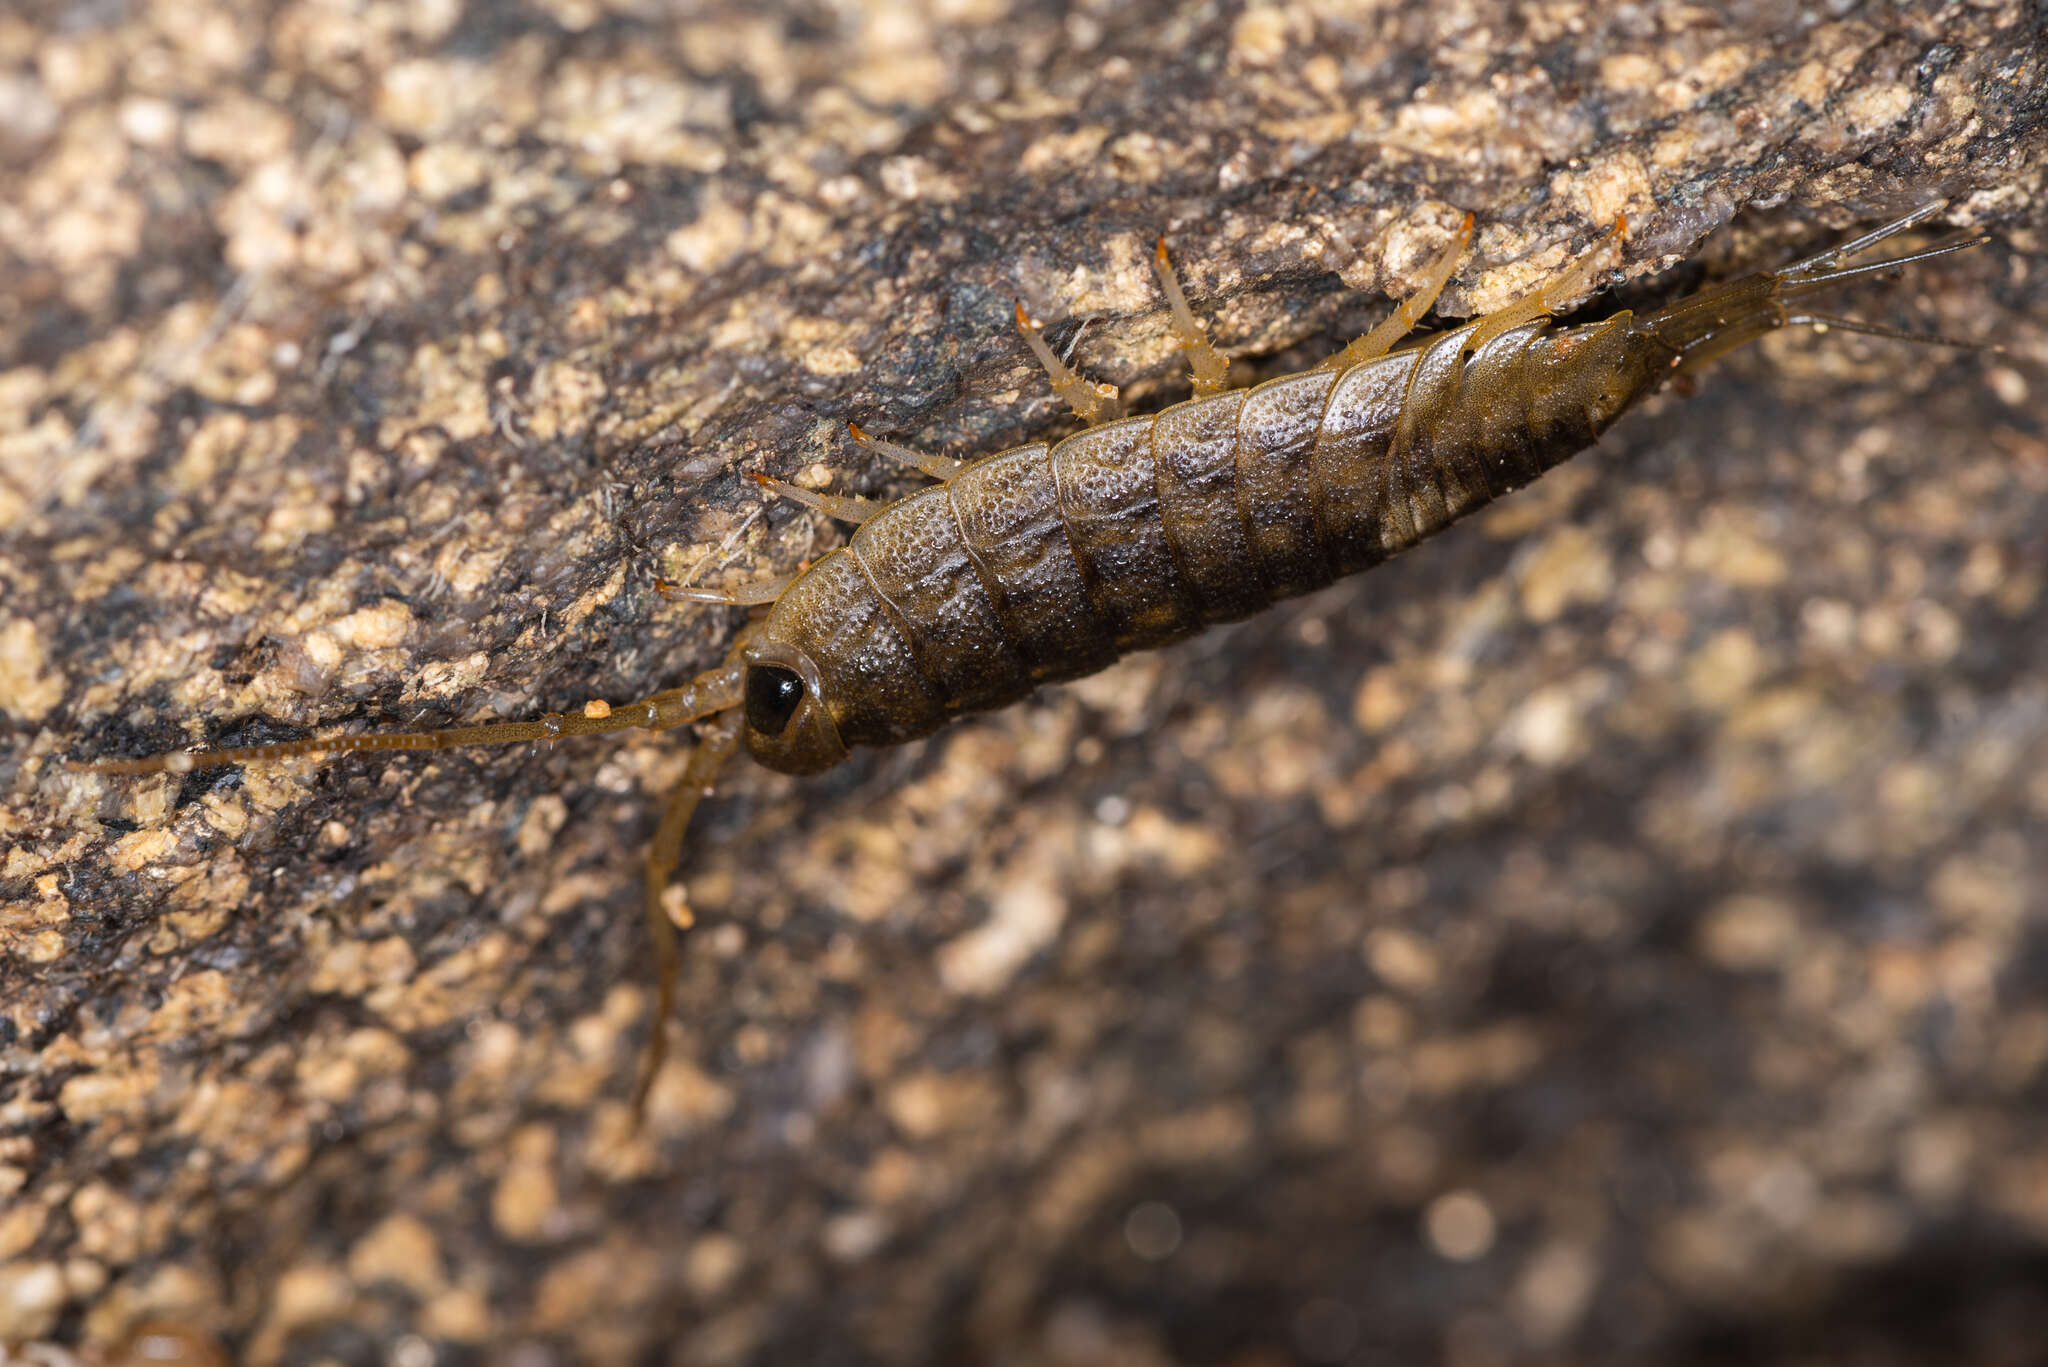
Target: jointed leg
point(1207, 362)
point(1092, 403)
point(714, 559)
point(719, 739)
point(1549, 297)
point(745, 596)
point(845, 507)
point(1392, 329)
point(938, 467)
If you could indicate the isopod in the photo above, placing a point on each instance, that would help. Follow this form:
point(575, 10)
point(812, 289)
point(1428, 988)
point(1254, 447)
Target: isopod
point(1048, 561)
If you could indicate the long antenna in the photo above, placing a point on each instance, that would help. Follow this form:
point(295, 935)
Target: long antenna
point(711, 692)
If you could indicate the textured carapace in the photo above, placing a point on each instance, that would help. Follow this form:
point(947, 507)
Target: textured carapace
point(1048, 561)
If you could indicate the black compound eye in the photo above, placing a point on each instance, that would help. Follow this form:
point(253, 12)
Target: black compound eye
point(772, 697)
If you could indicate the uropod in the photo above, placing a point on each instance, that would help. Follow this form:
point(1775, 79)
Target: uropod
point(1048, 561)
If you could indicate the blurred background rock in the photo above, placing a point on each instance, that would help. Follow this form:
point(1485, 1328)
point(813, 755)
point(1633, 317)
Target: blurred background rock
point(1611, 933)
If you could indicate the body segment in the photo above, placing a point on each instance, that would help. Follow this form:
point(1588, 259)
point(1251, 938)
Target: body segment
point(1047, 562)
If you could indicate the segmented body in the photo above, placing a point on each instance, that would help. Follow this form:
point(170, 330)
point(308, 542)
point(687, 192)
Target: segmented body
point(1046, 563)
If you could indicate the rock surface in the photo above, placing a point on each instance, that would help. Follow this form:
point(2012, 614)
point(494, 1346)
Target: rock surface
point(1611, 933)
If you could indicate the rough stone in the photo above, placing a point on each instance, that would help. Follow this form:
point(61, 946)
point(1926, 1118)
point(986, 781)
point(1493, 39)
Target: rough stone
point(367, 365)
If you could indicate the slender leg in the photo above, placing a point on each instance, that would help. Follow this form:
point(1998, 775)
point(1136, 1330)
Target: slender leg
point(1092, 403)
point(721, 736)
point(1550, 296)
point(745, 596)
point(1381, 339)
point(717, 558)
point(1207, 362)
point(844, 507)
point(938, 467)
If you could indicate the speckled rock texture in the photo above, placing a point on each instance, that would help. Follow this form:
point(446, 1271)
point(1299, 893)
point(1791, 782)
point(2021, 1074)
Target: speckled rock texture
point(1612, 933)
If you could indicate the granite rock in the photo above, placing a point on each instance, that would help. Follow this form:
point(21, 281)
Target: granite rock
point(1610, 933)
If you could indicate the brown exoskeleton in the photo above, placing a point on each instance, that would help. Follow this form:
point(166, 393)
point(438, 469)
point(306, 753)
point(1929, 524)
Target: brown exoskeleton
point(1046, 562)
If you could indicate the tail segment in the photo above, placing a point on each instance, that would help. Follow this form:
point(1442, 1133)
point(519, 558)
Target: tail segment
point(1723, 317)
